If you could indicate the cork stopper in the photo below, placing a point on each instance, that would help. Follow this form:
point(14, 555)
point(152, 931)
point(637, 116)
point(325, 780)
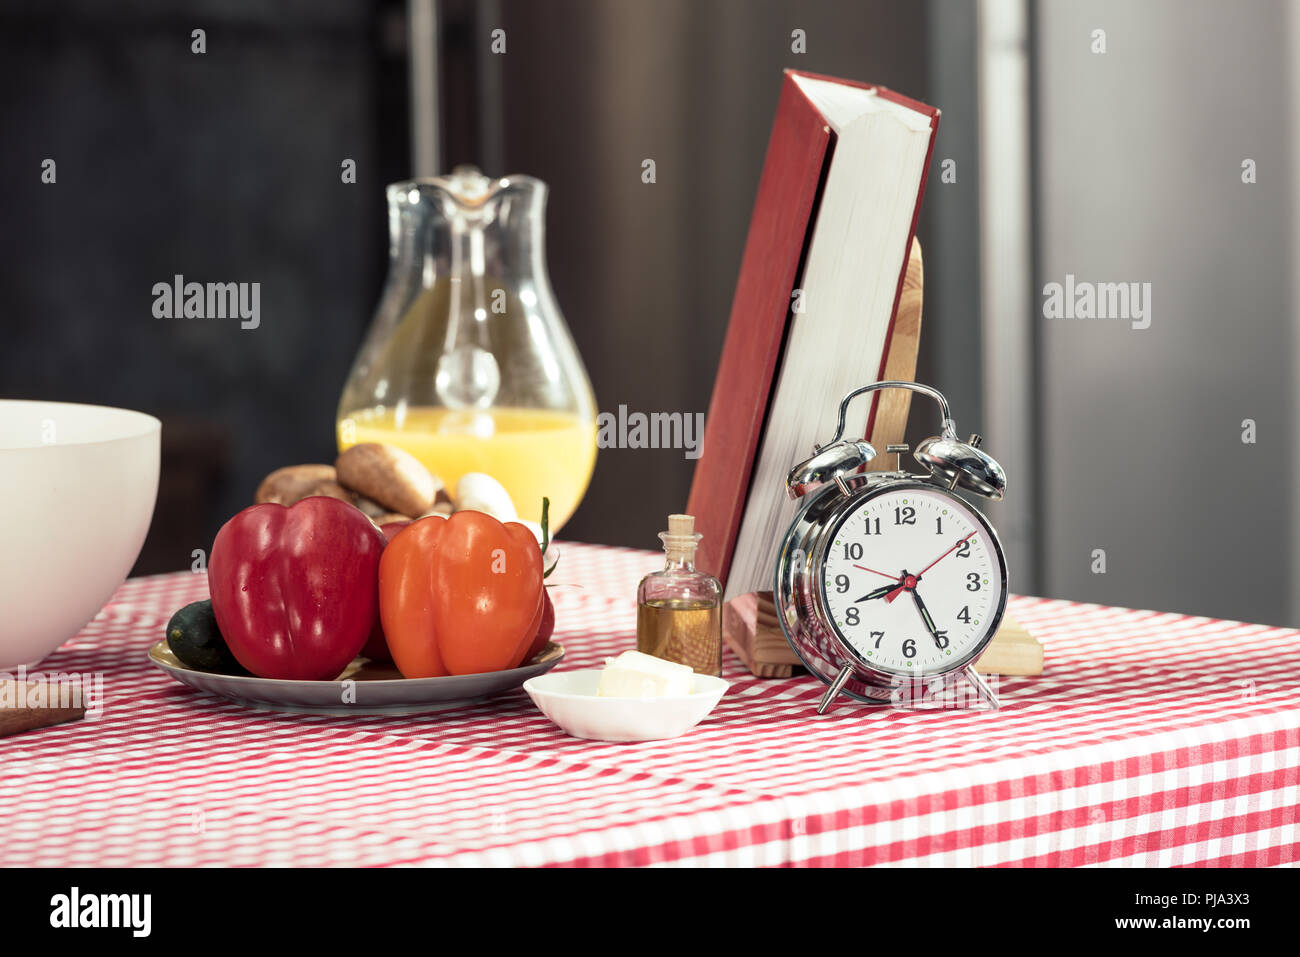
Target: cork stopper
point(681, 538)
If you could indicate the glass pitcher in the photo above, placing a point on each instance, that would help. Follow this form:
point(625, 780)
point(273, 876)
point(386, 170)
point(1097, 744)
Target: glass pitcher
point(468, 364)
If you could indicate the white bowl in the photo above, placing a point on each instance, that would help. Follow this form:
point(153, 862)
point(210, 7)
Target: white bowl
point(569, 699)
point(77, 491)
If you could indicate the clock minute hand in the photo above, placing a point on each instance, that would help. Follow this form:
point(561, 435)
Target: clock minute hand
point(925, 617)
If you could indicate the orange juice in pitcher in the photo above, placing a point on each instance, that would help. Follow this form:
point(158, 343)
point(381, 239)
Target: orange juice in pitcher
point(468, 364)
point(532, 452)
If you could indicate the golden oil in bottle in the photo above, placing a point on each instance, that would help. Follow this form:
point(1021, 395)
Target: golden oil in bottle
point(685, 630)
point(679, 609)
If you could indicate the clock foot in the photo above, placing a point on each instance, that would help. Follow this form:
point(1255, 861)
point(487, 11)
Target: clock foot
point(845, 673)
point(981, 688)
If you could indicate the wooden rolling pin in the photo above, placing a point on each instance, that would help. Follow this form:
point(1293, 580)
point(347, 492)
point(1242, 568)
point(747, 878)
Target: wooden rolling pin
point(16, 717)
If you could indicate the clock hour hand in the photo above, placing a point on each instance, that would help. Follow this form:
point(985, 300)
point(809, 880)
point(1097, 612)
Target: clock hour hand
point(880, 592)
point(929, 621)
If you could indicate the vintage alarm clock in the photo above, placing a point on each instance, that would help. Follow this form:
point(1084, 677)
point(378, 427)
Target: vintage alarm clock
point(888, 584)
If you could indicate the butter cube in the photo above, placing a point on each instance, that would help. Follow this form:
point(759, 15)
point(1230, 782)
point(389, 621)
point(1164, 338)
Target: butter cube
point(636, 675)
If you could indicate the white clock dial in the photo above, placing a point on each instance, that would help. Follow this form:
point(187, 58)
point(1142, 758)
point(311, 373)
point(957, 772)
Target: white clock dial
point(913, 580)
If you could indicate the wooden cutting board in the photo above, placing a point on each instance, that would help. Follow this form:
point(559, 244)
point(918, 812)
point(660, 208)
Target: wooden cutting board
point(893, 405)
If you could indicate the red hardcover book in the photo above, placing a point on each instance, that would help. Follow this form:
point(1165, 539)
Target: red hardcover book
point(885, 139)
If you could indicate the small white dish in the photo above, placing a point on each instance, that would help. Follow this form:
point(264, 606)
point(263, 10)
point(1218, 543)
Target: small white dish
point(569, 699)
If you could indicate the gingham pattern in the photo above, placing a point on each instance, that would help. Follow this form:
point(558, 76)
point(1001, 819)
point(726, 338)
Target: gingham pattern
point(1153, 739)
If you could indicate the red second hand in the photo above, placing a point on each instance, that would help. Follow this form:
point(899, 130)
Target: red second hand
point(945, 554)
point(874, 572)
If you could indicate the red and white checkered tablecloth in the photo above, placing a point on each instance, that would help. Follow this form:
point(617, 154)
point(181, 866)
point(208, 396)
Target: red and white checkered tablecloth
point(1152, 739)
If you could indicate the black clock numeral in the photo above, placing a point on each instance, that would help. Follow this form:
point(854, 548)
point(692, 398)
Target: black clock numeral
point(852, 550)
point(851, 615)
point(909, 648)
point(938, 525)
point(964, 614)
point(941, 639)
point(841, 583)
point(873, 530)
point(963, 550)
point(905, 515)
point(972, 581)
point(878, 635)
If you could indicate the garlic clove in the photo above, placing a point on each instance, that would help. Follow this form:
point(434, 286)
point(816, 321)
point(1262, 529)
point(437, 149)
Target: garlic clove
point(479, 492)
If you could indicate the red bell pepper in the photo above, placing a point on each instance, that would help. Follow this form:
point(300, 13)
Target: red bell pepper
point(544, 631)
point(295, 590)
point(376, 648)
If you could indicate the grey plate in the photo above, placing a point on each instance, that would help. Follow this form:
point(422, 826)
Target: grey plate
point(371, 688)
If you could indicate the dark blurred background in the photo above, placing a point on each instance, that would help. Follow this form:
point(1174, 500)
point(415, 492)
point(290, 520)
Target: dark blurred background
point(226, 166)
point(1117, 166)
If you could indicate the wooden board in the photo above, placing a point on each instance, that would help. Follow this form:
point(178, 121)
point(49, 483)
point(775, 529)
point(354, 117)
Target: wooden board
point(1013, 651)
point(751, 629)
point(890, 424)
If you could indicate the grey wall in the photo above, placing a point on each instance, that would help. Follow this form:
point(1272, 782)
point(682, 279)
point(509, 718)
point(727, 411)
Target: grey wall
point(950, 227)
point(1139, 154)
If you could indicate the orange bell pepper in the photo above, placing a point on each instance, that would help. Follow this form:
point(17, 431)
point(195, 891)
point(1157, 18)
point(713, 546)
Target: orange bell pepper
point(460, 595)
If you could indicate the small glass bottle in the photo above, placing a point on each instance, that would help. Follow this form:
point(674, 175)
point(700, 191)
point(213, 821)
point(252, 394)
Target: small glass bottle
point(679, 610)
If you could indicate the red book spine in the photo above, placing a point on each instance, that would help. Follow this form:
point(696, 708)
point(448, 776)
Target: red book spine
point(778, 228)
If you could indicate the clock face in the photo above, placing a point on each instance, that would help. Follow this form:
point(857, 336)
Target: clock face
point(913, 580)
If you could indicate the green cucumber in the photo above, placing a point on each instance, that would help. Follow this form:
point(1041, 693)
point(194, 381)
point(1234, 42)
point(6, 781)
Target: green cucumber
point(194, 638)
